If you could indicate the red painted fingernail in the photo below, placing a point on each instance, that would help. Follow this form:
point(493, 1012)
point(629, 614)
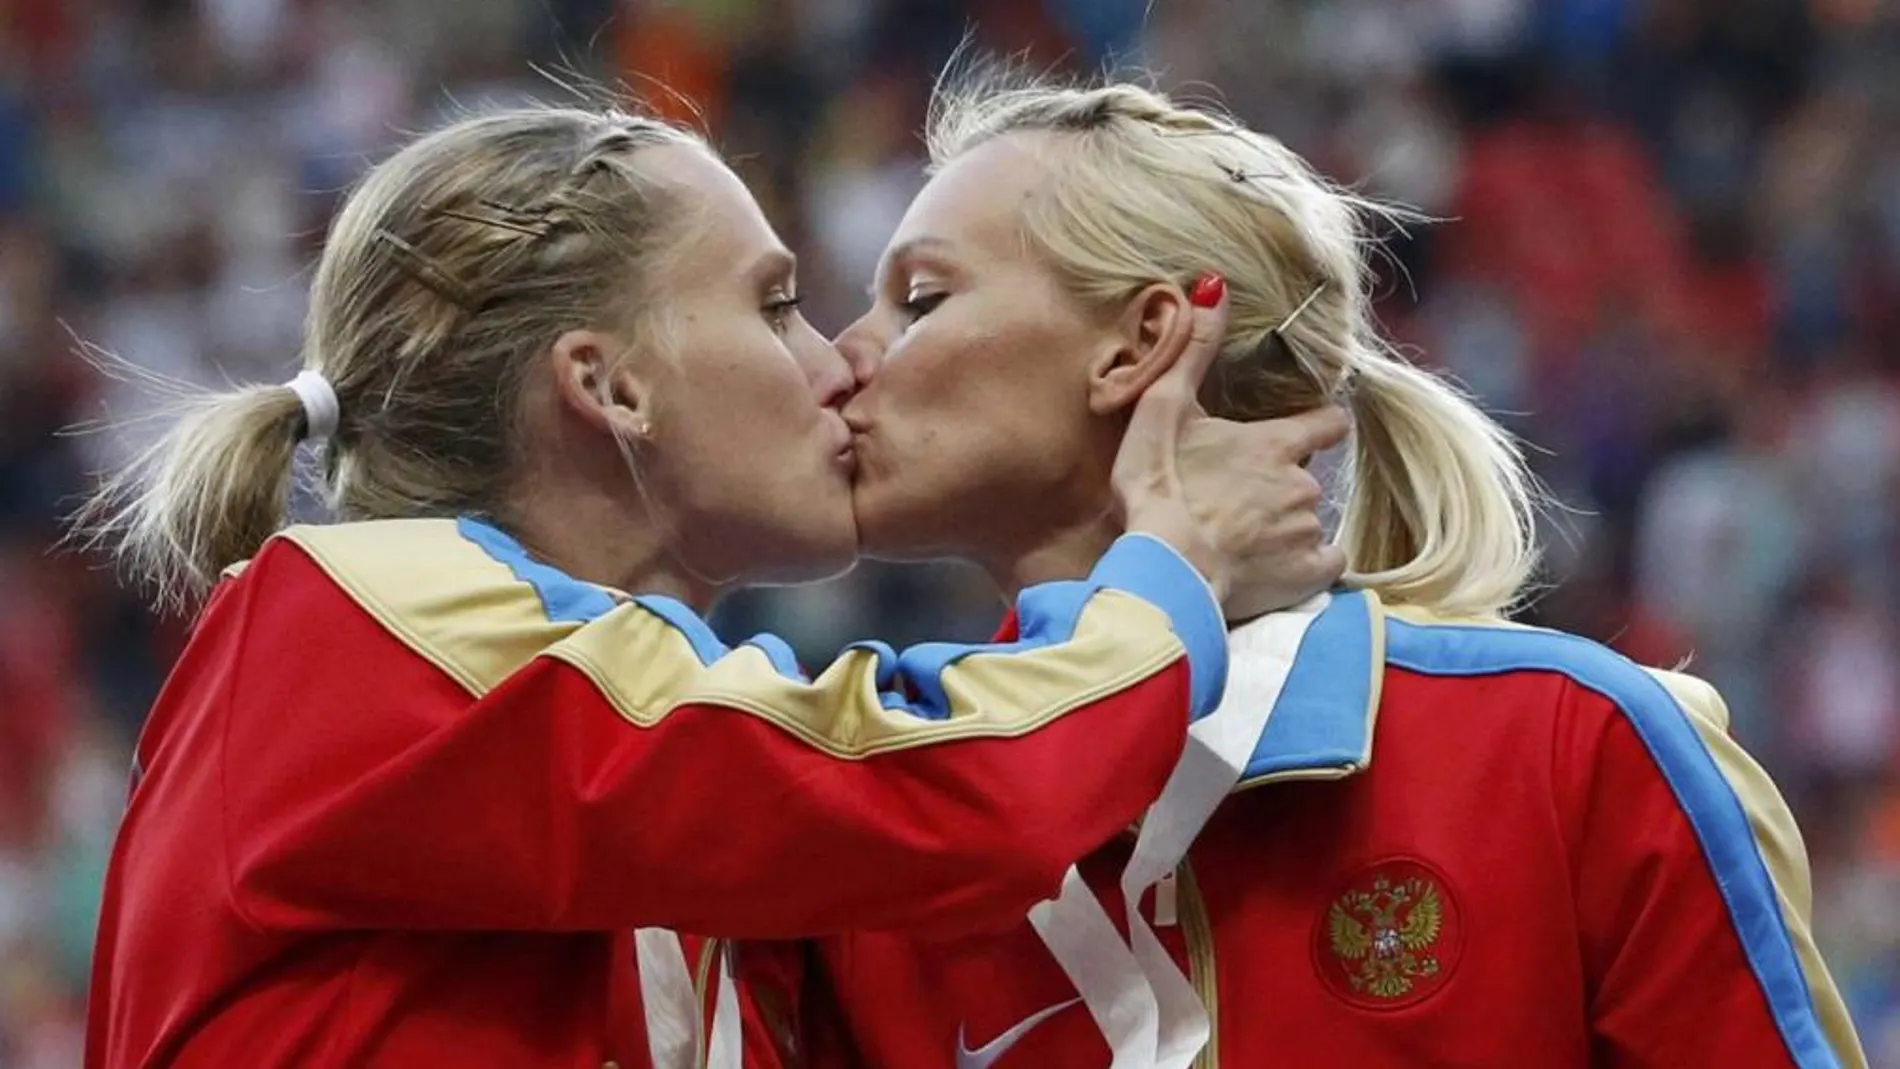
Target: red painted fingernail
point(1208, 290)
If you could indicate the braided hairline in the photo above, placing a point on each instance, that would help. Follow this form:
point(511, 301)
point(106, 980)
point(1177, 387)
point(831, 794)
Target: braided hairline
point(956, 125)
point(564, 210)
point(522, 231)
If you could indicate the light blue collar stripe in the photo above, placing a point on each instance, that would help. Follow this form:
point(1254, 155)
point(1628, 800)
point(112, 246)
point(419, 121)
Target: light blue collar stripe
point(1713, 810)
point(1321, 718)
point(886, 680)
point(1046, 615)
point(886, 660)
point(780, 654)
point(706, 645)
point(564, 598)
point(1157, 573)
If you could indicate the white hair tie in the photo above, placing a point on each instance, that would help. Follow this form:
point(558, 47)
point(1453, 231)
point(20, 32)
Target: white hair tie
point(320, 408)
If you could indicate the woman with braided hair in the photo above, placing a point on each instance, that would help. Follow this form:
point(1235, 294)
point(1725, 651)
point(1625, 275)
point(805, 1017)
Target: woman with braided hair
point(1412, 834)
point(430, 784)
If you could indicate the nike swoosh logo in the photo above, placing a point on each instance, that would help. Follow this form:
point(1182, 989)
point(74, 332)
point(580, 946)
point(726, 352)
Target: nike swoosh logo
point(990, 1053)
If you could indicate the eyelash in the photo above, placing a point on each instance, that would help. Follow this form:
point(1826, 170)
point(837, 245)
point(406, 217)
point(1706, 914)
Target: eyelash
point(918, 307)
point(779, 312)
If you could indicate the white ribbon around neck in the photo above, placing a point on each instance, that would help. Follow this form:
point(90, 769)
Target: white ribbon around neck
point(726, 1048)
point(673, 1009)
point(668, 998)
point(1145, 1006)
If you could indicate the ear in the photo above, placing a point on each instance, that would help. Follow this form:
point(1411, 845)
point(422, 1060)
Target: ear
point(1150, 332)
point(597, 386)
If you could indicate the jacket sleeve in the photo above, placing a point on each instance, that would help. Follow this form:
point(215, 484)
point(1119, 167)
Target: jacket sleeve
point(637, 773)
point(1693, 893)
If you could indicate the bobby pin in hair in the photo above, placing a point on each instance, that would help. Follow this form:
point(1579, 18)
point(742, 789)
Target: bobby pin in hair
point(1303, 306)
point(1275, 343)
point(426, 271)
point(506, 218)
point(1241, 176)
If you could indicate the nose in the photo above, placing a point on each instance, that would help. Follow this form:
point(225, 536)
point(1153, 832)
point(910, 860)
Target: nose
point(831, 377)
point(861, 350)
point(834, 384)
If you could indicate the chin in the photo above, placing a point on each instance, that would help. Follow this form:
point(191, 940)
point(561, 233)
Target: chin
point(892, 536)
point(833, 567)
point(816, 552)
point(820, 564)
point(895, 524)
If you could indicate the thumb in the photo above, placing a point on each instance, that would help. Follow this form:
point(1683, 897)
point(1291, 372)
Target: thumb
point(1172, 399)
point(1146, 463)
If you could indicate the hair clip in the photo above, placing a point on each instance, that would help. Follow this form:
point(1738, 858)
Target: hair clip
point(1241, 175)
point(425, 270)
point(1303, 306)
point(1348, 386)
point(1275, 342)
point(507, 218)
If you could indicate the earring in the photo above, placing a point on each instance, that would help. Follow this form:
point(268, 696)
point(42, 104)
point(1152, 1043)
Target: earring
point(640, 427)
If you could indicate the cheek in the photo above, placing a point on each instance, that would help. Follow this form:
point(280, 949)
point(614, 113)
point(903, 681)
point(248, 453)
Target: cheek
point(974, 406)
point(745, 381)
point(731, 406)
point(938, 395)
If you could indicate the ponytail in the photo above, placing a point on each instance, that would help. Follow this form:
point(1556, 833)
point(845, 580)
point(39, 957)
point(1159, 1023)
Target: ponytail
point(1441, 508)
point(439, 272)
point(204, 497)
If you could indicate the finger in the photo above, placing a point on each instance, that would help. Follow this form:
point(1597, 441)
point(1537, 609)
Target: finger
point(1207, 332)
point(1305, 493)
point(1329, 564)
point(1174, 395)
point(1310, 529)
point(1314, 430)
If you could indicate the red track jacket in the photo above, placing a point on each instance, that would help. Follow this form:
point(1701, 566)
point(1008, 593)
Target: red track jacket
point(1557, 860)
point(408, 790)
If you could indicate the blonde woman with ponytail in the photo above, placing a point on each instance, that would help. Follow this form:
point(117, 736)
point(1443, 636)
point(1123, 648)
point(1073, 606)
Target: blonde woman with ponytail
point(430, 785)
point(1413, 834)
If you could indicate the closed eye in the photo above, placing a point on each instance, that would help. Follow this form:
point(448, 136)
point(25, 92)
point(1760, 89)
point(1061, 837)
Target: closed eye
point(921, 305)
point(779, 312)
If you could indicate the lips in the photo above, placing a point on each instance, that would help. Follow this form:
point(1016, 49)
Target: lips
point(845, 445)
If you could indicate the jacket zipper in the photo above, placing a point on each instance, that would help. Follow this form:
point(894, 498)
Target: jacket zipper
point(1198, 932)
point(702, 975)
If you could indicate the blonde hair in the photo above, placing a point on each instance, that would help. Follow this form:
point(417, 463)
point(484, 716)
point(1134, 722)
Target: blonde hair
point(1439, 508)
point(450, 265)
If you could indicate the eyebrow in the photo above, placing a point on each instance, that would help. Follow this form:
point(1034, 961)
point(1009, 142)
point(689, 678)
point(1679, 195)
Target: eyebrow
point(773, 264)
point(910, 247)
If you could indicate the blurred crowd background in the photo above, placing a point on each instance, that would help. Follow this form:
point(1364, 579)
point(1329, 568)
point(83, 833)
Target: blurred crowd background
point(1669, 257)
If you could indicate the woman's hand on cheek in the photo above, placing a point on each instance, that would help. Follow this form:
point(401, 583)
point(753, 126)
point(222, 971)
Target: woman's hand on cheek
point(1234, 498)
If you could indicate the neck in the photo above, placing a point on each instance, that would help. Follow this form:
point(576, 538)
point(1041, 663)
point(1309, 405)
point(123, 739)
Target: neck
point(593, 538)
point(1069, 553)
point(1068, 528)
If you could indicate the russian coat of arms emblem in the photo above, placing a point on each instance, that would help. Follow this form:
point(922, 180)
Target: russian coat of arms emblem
point(1391, 937)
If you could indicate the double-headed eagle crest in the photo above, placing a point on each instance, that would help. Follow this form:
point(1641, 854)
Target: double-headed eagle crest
point(1385, 935)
